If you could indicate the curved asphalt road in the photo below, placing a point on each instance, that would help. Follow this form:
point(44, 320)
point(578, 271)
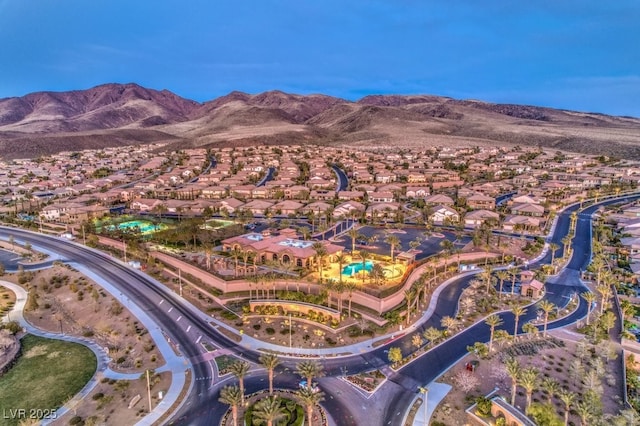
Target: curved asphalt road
point(202, 406)
point(558, 291)
point(343, 180)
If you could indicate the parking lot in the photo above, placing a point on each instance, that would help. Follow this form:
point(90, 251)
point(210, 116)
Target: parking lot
point(428, 245)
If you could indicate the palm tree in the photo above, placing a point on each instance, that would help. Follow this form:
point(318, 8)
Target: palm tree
point(546, 307)
point(550, 386)
point(270, 362)
point(393, 242)
point(232, 396)
point(376, 274)
point(513, 272)
point(351, 286)
point(517, 312)
point(409, 295)
point(236, 252)
point(330, 286)
point(502, 277)
point(353, 234)
point(306, 232)
point(584, 411)
point(566, 240)
point(339, 289)
point(364, 255)
point(308, 370)
point(605, 292)
point(513, 370)
point(589, 297)
point(554, 248)
point(341, 259)
point(321, 252)
point(626, 309)
point(447, 247)
point(240, 369)
point(269, 410)
point(486, 276)
point(529, 381)
point(608, 321)
point(309, 398)
point(493, 321)
point(567, 399)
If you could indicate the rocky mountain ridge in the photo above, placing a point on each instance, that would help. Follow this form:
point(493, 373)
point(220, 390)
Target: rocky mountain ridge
point(122, 114)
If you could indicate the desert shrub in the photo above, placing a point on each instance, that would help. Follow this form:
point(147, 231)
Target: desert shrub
point(116, 308)
point(483, 406)
point(76, 421)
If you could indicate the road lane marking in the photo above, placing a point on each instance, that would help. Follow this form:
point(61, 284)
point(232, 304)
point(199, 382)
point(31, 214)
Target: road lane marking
point(170, 309)
point(188, 328)
point(179, 318)
point(198, 340)
point(161, 302)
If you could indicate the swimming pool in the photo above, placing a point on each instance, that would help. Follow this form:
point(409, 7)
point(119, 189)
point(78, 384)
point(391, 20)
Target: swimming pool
point(355, 267)
point(144, 226)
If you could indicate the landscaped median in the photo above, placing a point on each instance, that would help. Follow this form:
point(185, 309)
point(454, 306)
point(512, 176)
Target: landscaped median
point(47, 374)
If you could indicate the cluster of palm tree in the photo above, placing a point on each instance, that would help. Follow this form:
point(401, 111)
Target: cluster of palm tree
point(270, 409)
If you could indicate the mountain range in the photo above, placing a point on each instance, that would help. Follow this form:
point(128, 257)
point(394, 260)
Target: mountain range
point(124, 114)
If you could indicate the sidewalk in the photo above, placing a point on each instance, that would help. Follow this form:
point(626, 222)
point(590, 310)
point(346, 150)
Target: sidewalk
point(436, 393)
point(16, 314)
point(177, 365)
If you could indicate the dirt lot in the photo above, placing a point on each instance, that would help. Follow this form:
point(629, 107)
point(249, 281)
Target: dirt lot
point(7, 300)
point(108, 403)
point(67, 300)
point(557, 363)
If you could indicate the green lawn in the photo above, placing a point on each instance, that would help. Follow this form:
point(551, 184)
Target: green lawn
point(47, 374)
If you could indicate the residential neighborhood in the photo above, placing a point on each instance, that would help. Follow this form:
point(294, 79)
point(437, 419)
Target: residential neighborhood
point(353, 242)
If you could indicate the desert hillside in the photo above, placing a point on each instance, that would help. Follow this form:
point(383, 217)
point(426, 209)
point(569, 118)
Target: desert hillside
point(123, 114)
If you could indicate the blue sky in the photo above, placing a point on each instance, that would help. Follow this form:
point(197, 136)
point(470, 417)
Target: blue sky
point(573, 54)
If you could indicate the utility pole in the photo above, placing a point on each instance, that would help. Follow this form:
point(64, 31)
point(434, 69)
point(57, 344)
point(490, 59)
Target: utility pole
point(149, 391)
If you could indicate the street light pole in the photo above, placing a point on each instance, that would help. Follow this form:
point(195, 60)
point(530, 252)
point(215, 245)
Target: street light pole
point(289, 330)
point(149, 391)
point(180, 279)
point(424, 391)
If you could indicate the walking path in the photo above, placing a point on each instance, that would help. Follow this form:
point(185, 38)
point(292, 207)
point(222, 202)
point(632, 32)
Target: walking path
point(174, 364)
